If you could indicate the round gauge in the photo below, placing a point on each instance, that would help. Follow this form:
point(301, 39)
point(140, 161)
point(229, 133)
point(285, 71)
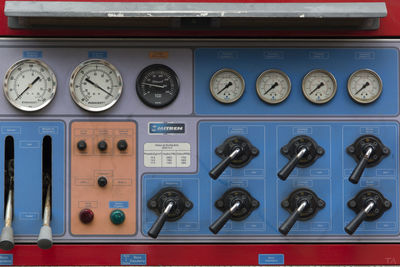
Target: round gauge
point(273, 86)
point(227, 86)
point(157, 86)
point(364, 86)
point(30, 85)
point(319, 86)
point(95, 85)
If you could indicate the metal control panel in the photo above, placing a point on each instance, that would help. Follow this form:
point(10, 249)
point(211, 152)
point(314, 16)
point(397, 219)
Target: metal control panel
point(149, 141)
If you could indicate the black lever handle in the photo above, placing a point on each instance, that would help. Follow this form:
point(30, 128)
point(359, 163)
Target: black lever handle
point(159, 223)
point(355, 223)
point(220, 167)
point(288, 224)
point(359, 169)
point(288, 168)
point(221, 221)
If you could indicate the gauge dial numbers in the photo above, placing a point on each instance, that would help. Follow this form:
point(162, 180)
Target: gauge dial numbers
point(157, 86)
point(319, 86)
point(273, 86)
point(364, 86)
point(95, 85)
point(30, 85)
point(227, 86)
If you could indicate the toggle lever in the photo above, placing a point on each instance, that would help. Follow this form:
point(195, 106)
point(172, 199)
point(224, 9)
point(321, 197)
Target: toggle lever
point(45, 239)
point(7, 233)
point(302, 151)
point(368, 151)
point(303, 204)
point(237, 204)
point(170, 204)
point(369, 204)
point(235, 151)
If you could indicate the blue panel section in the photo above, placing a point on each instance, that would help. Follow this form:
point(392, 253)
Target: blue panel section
point(133, 259)
point(118, 204)
point(6, 259)
point(28, 139)
point(271, 259)
point(327, 177)
point(296, 63)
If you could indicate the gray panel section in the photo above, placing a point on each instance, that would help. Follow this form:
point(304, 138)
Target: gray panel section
point(124, 9)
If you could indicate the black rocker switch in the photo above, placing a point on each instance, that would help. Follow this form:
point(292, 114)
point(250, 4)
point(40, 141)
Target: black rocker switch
point(302, 151)
point(235, 151)
point(170, 205)
point(236, 204)
point(369, 204)
point(303, 204)
point(367, 151)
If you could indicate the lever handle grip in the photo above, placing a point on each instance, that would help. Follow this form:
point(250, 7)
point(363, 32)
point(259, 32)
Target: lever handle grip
point(45, 239)
point(158, 224)
point(284, 173)
point(220, 168)
point(7, 238)
point(355, 223)
point(288, 224)
point(358, 171)
point(220, 222)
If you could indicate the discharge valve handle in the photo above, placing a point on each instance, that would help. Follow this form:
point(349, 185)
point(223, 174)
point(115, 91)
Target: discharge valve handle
point(159, 223)
point(288, 224)
point(224, 218)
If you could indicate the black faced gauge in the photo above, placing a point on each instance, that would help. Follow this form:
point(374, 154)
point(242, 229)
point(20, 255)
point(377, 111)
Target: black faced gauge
point(29, 85)
point(319, 86)
point(364, 86)
point(95, 85)
point(227, 86)
point(273, 86)
point(157, 86)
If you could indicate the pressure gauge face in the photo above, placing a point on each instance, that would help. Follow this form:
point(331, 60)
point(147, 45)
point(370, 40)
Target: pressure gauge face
point(319, 86)
point(364, 86)
point(29, 85)
point(157, 86)
point(227, 86)
point(95, 85)
point(273, 86)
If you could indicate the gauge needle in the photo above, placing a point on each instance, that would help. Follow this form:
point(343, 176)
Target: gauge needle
point(154, 85)
point(226, 86)
point(272, 87)
point(29, 86)
point(363, 87)
point(316, 88)
point(98, 87)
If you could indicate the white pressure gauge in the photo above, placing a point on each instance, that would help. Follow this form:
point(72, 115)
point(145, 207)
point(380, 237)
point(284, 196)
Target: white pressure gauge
point(364, 86)
point(319, 86)
point(227, 86)
point(30, 85)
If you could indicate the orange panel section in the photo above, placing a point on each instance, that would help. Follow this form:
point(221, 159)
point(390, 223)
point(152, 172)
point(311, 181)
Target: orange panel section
point(103, 178)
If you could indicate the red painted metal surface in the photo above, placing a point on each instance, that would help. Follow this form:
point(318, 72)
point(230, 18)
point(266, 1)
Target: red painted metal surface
point(304, 254)
point(212, 254)
point(390, 25)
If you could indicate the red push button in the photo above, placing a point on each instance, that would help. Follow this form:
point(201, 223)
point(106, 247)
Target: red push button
point(86, 215)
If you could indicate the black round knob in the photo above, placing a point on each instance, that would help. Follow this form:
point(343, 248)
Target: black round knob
point(122, 145)
point(102, 181)
point(102, 145)
point(81, 145)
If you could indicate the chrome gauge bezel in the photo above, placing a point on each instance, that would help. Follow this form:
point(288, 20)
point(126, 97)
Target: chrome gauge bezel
point(261, 94)
point(216, 74)
point(85, 64)
point(380, 84)
point(330, 75)
point(6, 84)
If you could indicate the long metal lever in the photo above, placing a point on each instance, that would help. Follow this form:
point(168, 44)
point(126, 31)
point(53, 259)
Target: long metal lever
point(7, 233)
point(359, 169)
point(288, 168)
point(45, 239)
point(221, 221)
point(355, 223)
point(288, 224)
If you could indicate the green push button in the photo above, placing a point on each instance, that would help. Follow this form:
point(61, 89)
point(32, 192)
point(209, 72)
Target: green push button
point(117, 217)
